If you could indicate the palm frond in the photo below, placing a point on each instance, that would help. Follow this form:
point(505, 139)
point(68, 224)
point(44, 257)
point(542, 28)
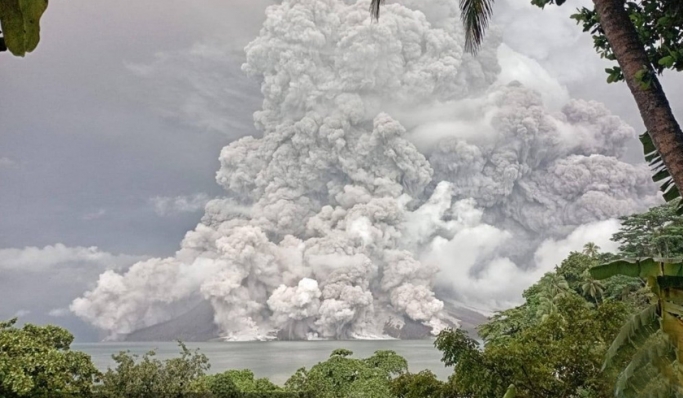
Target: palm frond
point(374, 8)
point(634, 332)
point(661, 174)
point(475, 16)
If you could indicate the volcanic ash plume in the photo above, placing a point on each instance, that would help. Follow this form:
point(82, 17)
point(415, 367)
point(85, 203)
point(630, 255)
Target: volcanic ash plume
point(337, 221)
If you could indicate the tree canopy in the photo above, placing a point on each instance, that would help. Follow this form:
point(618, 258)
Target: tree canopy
point(659, 24)
point(553, 354)
point(38, 361)
point(149, 377)
point(657, 232)
point(342, 376)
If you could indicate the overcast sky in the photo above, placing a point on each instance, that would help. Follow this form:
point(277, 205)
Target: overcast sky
point(110, 131)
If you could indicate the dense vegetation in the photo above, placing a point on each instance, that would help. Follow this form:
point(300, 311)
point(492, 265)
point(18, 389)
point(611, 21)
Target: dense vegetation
point(574, 336)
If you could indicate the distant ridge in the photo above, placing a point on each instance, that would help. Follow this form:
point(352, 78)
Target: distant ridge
point(197, 325)
point(194, 325)
point(469, 318)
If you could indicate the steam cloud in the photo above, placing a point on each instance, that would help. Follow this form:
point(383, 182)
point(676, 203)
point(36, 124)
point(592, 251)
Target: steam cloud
point(388, 157)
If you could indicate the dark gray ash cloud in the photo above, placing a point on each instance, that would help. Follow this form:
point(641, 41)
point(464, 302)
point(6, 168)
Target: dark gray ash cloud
point(111, 112)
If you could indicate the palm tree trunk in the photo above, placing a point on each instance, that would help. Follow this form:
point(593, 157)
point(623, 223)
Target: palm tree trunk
point(654, 108)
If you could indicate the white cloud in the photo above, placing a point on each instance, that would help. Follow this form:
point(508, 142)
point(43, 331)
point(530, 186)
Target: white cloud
point(488, 282)
point(43, 281)
point(94, 215)
point(167, 205)
point(551, 252)
point(6, 162)
point(22, 313)
point(35, 259)
point(59, 312)
point(479, 277)
point(549, 36)
point(518, 67)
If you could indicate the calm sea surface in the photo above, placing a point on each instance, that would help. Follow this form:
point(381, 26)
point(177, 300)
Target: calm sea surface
point(276, 360)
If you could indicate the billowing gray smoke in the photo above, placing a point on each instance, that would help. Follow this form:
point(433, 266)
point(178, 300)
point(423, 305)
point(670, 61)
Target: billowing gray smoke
point(337, 221)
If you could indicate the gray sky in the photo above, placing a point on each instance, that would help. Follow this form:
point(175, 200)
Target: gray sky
point(110, 131)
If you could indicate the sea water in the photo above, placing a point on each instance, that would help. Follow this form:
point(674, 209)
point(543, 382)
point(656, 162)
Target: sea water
point(276, 360)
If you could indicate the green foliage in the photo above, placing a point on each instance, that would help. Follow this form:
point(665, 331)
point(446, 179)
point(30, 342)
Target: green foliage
point(418, 385)
point(219, 386)
point(658, 23)
point(150, 377)
point(297, 382)
point(37, 361)
point(560, 355)
point(634, 333)
point(456, 347)
point(661, 175)
point(573, 268)
point(551, 288)
point(631, 268)
point(614, 74)
point(246, 383)
point(627, 289)
point(511, 392)
point(656, 233)
point(553, 344)
point(20, 22)
point(571, 276)
point(592, 288)
point(342, 376)
point(649, 365)
point(242, 384)
point(342, 352)
point(388, 361)
point(653, 337)
point(591, 250)
point(475, 15)
point(473, 375)
point(507, 324)
point(556, 356)
point(543, 3)
point(553, 285)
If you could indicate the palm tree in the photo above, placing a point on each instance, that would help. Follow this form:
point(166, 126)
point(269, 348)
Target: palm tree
point(546, 308)
point(592, 288)
point(554, 285)
point(664, 133)
point(591, 249)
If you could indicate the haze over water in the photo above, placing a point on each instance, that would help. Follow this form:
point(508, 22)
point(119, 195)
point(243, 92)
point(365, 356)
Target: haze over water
point(276, 360)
